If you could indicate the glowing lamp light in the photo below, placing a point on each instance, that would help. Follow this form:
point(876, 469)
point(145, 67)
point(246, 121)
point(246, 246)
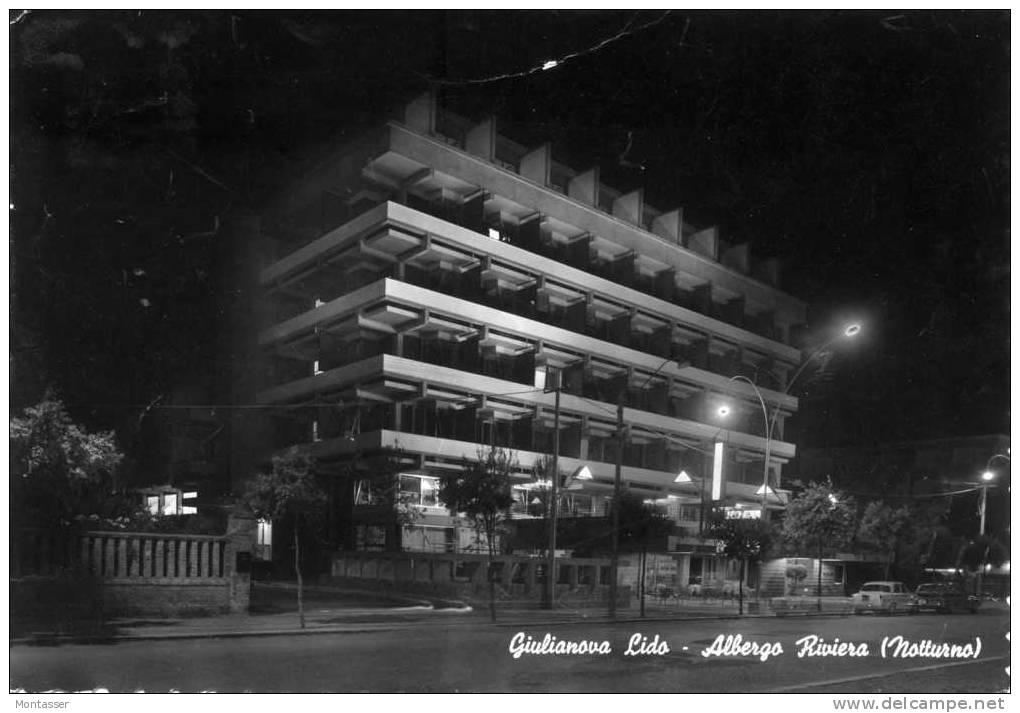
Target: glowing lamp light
point(852, 330)
point(682, 477)
point(724, 411)
point(987, 475)
point(583, 473)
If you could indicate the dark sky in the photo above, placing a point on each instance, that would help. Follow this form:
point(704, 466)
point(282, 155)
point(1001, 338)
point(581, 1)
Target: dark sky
point(868, 150)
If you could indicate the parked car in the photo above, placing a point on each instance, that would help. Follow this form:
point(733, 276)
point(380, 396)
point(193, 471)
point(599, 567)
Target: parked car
point(885, 597)
point(945, 598)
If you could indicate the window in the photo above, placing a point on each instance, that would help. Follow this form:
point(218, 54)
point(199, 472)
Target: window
point(264, 540)
point(264, 535)
point(421, 491)
point(876, 587)
point(363, 493)
point(689, 513)
point(170, 503)
point(369, 537)
point(539, 377)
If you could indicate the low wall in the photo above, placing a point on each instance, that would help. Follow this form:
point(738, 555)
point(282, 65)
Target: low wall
point(134, 573)
point(579, 582)
point(803, 606)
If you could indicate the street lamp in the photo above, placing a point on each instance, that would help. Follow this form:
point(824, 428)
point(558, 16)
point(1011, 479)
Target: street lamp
point(848, 331)
point(571, 482)
point(621, 431)
point(986, 478)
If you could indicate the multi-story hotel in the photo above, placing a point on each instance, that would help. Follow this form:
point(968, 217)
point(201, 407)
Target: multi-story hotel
point(422, 281)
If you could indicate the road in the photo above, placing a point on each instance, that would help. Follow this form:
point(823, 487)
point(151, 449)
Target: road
point(472, 655)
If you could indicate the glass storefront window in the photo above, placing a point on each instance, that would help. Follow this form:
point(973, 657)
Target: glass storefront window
point(430, 492)
point(419, 490)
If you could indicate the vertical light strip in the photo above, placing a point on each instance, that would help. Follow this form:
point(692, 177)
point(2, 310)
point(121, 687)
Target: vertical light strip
point(717, 484)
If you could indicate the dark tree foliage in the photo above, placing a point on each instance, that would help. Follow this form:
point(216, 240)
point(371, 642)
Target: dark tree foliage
point(746, 540)
point(983, 550)
point(481, 492)
point(289, 494)
point(819, 518)
point(641, 525)
point(62, 474)
point(379, 472)
point(893, 530)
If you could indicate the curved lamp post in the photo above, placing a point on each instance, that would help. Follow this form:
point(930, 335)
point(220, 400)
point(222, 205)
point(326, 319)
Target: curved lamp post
point(849, 331)
point(986, 479)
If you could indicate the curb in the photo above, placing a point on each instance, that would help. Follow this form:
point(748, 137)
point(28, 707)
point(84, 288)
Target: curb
point(354, 628)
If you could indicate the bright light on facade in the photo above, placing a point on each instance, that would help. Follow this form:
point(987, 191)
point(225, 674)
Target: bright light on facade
point(583, 473)
point(717, 484)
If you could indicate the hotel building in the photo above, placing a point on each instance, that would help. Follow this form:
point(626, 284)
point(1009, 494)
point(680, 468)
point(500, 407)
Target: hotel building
point(421, 282)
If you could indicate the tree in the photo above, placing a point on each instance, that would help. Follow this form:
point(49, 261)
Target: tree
point(61, 472)
point(795, 573)
point(481, 492)
point(745, 540)
point(885, 528)
point(380, 472)
point(288, 492)
point(982, 550)
point(640, 525)
point(819, 517)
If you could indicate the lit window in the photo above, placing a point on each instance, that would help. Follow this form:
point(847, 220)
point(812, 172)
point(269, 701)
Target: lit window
point(170, 504)
point(430, 492)
point(152, 503)
point(420, 491)
point(264, 535)
point(264, 539)
point(493, 233)
point(540, 377)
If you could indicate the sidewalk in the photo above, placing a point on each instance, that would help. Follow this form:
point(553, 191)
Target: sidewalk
point(350, 613)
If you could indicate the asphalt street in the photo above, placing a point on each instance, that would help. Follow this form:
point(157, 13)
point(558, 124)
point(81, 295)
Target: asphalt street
point(472, 655)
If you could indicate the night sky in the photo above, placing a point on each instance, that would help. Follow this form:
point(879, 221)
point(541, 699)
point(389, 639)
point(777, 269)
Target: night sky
point(868, 150)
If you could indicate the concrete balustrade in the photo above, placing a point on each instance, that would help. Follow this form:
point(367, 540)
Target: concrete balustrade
point(140, 572)
point(579, 582)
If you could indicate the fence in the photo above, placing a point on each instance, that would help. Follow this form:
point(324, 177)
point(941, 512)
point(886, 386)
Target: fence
point(137, 573)
point(579, 582)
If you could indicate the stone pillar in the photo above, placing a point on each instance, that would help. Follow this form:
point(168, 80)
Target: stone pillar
point(241, 530)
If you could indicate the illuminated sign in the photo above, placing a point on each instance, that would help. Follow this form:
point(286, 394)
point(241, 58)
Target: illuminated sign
point(741, 514)
point(717, 484)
